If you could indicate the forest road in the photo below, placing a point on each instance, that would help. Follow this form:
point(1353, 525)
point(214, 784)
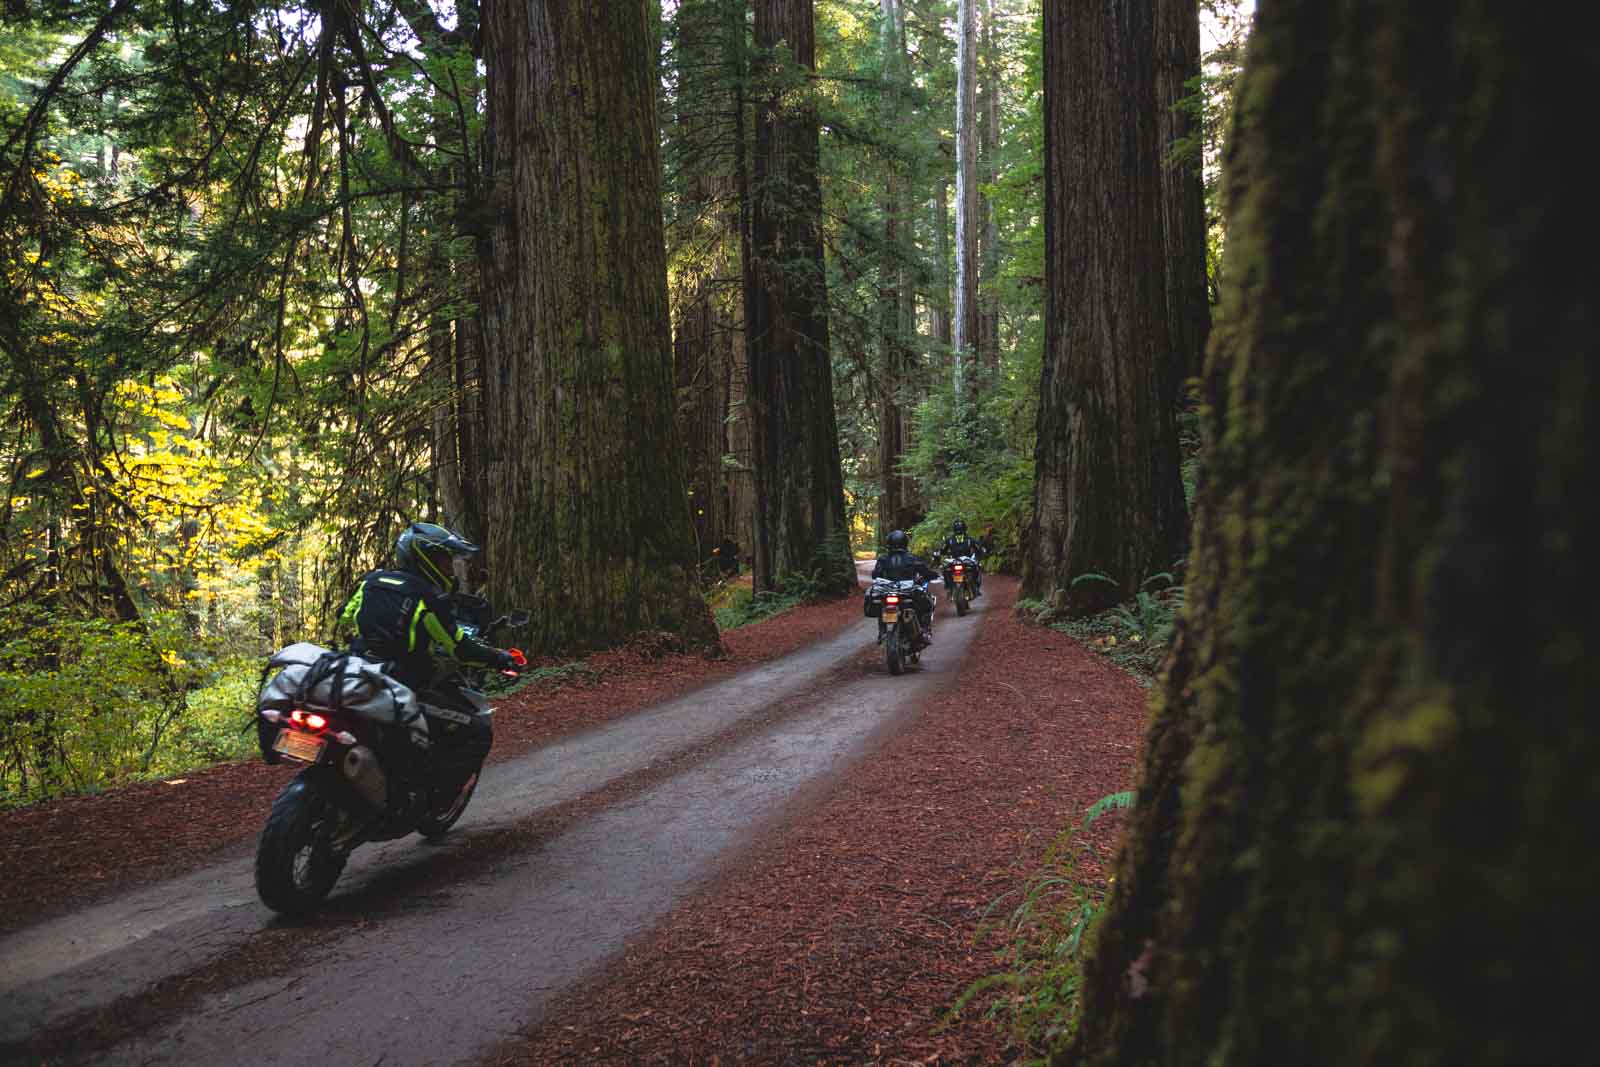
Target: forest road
point(429, 954)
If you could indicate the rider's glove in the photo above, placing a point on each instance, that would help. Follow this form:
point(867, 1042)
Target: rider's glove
point(510, 661)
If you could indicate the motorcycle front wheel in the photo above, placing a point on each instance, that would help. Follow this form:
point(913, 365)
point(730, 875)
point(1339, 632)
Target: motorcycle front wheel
point(296, 863)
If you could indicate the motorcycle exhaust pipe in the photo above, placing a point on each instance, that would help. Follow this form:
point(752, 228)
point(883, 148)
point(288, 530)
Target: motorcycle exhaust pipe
point(362, 770)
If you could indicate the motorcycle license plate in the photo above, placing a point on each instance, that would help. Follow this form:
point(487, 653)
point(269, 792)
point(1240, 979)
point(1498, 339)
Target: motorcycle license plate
point(296, 745)
point(960, 578)
point(891, 614)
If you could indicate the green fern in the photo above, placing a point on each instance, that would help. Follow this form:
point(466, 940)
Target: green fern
point(1109, 802)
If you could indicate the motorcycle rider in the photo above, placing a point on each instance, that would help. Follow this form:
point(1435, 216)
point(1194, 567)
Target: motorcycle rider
point(401, 615)
point(900, 565)
point(960, 544)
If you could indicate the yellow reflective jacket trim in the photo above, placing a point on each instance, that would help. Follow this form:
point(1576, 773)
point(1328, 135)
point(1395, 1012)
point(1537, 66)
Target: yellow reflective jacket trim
point(411, 634)
point(352, 608)
point(437, 631)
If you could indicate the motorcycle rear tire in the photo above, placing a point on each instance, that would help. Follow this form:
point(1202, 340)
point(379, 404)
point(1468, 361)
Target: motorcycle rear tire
point(961, 600)
point(892, 651)
point(296, 867)
point(444, 809)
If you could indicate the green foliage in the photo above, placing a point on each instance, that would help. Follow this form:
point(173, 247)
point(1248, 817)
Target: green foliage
point(975, 462)
point(555, 676)
point(1134, 634)
point(1038, 991)
point(747, 607)
point(88, 703)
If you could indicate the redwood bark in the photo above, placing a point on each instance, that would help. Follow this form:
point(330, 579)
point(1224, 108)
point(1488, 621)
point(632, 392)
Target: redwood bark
point(1358, 837)
point(798, 480)
point(587, 512)
point(1108, 498)
point(989, 90)
point(897, 501)
point(1183, 197)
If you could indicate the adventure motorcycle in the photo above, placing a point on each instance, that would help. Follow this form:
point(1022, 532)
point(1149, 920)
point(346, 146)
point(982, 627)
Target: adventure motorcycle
point(894, 604)
point(961, 578)
point(380, 761)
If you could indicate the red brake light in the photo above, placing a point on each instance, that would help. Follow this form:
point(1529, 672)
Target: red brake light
point(959, 568)
point(892, 598)
point(309, 719)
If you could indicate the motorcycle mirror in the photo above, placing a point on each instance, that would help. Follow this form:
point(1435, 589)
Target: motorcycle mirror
point(520, 617)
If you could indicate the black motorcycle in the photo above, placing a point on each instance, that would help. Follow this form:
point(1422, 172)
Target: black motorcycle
point(379, 761)
point(894, 604)
point(961, 578)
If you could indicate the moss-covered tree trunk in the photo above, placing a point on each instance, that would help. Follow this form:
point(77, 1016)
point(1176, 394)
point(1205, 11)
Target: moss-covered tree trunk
point(1108, 498)
point(798, 480)
point(1366, 830)
point(587, 515)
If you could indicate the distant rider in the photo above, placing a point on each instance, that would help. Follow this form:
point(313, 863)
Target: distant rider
point(960, 544)
point(899, 566)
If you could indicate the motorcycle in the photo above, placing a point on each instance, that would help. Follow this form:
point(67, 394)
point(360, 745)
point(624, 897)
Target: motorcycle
point(961, 579)
point(379, 761)
point(899, 624)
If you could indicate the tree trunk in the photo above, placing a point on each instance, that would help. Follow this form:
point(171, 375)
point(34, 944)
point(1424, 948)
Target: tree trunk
point(588, 518)
point(800, 518)
point(896, 500)
point(989, 168)
point(1183, 194)
point(1363, 833)
point(448, 483)
point(699, 357)
point(966, 308)
point(939, 292)
point(1108, 498)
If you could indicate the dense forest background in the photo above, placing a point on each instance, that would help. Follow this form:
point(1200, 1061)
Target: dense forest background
point(786, 274)
point(243, 337)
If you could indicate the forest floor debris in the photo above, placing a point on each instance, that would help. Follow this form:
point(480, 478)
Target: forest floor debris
point(847, 933)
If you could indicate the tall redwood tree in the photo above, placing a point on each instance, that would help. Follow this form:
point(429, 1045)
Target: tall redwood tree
point(1365, 832)
point(1108, 497)
point(800, 522)
point(587, 511)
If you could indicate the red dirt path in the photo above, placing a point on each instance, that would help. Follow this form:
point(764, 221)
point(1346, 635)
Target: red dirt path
point(65, 853)
point(847, 932)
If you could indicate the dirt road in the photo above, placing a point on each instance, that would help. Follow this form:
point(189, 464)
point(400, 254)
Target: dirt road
point(435, 954)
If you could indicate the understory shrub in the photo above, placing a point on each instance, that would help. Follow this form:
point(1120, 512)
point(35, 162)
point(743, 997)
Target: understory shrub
point(1036, 995)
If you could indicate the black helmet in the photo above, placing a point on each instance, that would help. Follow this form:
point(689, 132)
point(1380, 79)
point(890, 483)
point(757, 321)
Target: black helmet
point(959, 528)
point(897, 540)
point(426, 550)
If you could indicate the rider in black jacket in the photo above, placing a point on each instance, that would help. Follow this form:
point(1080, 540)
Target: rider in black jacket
point(899, 566)
point(960, 544)
point(402, 615)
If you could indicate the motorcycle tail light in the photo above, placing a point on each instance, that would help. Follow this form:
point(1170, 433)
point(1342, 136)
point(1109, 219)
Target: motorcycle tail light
point(892, 598)
point(309, 719)
point(959, 568)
